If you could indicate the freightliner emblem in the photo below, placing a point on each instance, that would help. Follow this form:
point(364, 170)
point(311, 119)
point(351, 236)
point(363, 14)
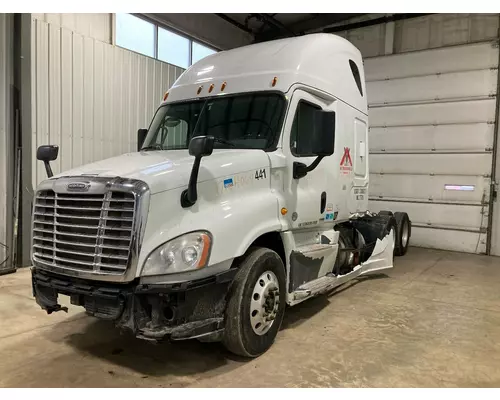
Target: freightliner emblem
point(78, 187)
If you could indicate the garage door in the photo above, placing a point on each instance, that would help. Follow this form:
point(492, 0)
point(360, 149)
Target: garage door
point(432, 117)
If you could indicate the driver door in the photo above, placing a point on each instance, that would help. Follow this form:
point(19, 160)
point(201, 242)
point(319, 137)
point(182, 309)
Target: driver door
point(311, 197)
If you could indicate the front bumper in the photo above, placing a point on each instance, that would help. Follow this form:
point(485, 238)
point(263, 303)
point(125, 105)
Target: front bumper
point(186, 310)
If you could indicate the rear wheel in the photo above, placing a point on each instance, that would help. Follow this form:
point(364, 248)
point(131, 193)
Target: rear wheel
point(256, 303)
point(403, 233)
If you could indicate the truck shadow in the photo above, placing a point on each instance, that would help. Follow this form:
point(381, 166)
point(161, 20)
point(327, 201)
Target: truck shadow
point(296, 315)
point(100, 339)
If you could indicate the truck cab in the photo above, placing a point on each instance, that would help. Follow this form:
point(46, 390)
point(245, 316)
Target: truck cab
point(248, 192)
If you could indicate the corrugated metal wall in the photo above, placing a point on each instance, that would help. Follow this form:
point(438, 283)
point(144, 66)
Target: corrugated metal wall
point(90, 97)
point(95, 25)
point(432, 114)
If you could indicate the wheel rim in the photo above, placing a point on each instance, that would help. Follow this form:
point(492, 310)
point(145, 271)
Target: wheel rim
point(264, 304)
point(404, 234)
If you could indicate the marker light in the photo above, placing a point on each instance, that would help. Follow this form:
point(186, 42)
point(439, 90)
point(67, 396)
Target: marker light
point(165, 97)
point(274, 81)
point(223, 86)
point(211, 88)
point(284, 211)
point(199, 90)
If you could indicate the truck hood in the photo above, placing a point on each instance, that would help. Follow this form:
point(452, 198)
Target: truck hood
point(165, 170)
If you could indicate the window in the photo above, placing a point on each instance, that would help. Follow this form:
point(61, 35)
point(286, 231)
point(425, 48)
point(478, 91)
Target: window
point(302, 128)
point(135, 34)
point(357, 77)
point(250, 121)
point(173, 48)
point(148, 38)
point(200, 51)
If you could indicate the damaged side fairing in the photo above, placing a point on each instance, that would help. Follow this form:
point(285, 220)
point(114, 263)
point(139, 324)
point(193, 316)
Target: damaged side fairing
point(380, 259)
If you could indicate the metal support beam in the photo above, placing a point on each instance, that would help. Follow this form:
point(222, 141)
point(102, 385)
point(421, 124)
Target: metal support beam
point(389, 38)
point(371, 22)
point(235, 23)
point(273, 21)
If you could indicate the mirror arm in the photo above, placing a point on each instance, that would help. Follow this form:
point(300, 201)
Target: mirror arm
point(300, 169)
point(190, 195)
point(48, 169)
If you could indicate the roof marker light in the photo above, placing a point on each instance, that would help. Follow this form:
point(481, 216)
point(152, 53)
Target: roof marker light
point(274, 81)
point(199, 89)
point(165, 96)
point(223, 86)
point(211, 88)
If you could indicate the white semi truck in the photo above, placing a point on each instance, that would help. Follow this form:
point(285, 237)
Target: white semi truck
point(248, 193)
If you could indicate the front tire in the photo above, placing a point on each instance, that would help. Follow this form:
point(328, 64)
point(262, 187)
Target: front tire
point(256, 303)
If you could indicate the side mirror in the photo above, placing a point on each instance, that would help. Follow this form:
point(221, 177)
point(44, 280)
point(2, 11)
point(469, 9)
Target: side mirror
point(199, 146)
point(324, 133)
point(46, 154)
point(322, 142)
point(141, 136)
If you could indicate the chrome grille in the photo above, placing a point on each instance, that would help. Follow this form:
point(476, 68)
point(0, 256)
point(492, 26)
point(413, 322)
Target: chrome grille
point(84, 232)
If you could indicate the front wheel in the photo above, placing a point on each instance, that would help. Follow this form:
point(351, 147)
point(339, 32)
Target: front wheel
point(256, 303)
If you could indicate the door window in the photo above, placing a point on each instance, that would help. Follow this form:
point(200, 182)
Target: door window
point(301, 137)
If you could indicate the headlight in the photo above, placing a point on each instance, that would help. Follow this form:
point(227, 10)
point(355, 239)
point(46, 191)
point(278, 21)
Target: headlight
point(185, 253)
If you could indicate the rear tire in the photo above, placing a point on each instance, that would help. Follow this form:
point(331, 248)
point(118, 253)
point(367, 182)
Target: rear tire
point(403, 233)
point(256, 303)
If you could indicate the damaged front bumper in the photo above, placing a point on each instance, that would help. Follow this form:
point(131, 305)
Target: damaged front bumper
point(187, 310)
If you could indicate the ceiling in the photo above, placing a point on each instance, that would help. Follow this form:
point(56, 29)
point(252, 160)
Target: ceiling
point(272, 26)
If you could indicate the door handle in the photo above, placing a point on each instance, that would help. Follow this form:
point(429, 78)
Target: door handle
point(323, 203)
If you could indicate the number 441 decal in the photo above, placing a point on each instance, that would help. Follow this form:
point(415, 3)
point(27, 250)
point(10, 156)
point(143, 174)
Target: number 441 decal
point(260, 174)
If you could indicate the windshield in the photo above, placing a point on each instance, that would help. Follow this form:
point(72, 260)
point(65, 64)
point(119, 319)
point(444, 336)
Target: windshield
point(249, 121)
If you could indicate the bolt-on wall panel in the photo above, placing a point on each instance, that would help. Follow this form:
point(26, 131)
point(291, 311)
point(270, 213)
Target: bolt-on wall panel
point(90, 97)
point(471, 57)
point(432, 118)
point(449, 137)
point(452, 85)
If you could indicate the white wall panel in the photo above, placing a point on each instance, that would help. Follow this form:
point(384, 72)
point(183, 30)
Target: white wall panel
point(449, 59)
point(434, 114)
point(95, 25)
point(90, 97)
point(468, 164)
point(440, 30)
point(452, 137)
point(425, 187)
point(453, 85)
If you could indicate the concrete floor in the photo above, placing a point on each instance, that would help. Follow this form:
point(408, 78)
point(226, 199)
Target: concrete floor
point(432, 321)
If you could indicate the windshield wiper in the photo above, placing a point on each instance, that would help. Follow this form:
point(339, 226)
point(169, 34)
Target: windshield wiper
point(155, 146)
